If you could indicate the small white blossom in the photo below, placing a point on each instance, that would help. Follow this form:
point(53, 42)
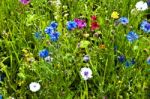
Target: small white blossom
point(48, 59)
point(141, 6)
point(34, 86)
point(86, 73)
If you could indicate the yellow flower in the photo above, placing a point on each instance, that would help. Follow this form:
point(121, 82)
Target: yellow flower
point(115, 15)
point(25, 51)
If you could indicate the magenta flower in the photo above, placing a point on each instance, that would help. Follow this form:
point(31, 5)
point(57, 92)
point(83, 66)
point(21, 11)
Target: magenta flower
point(80, 23)
point(25, 2)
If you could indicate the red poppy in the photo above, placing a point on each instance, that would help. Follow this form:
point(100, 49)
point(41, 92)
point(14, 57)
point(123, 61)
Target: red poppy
point(94, 26)
point(93, 17)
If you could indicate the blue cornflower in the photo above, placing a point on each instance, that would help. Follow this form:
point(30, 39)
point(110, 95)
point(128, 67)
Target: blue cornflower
point(54, 25)
point(148, 2)
point(128, 63)
point(115, 48)
point(124, 20)
point(43, 53)
point(37, 35)
point(148, 60)
point(71, 25)
point(86, 58)
point(54, 36)
point(133, 61)
point(131, 36)
point(145, 26)
point(1, 97)
point(49, 30)
point(2, 76)
point(121, 58)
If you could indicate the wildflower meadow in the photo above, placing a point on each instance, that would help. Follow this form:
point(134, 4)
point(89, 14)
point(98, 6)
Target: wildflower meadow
point(74, 49)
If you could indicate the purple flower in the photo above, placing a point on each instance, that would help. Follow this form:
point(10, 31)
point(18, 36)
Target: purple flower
point(121, 58)
point(25, 2)
point(80, 23)
point(132, 36)
point(124, 20)
point(43, 53)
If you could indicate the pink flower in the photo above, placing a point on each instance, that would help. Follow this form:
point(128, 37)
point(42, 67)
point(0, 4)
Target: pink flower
point(25, 2)
point(80, 23)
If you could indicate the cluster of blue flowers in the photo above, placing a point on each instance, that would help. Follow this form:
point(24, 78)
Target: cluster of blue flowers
point(51, 31)
point(145, 26)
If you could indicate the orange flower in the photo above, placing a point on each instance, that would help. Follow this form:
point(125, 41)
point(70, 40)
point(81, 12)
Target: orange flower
point(102, 46)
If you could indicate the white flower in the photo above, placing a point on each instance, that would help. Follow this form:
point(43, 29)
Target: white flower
point(86, 73)
point(141, 6)
point(34, 86)
point(48, 59)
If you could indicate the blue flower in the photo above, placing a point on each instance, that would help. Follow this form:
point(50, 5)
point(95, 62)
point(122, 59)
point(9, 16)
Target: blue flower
point(49, 30)
point(54, 36)
point(1, 97)
point(148, 60)
point(145, 26)
point(129, 63)
point(148, 2)
point(54, 25)
point(43, 53)
point(132, 36)
point(71, 25)
point(38, 35)
point(133, 61)
point(86, 58)
point(121, 58)
point(124, 20)
point(2, 76)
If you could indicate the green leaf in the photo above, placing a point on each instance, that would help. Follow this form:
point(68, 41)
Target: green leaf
point(84, 44)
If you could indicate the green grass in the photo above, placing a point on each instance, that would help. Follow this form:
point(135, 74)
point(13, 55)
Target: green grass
point(61, 78)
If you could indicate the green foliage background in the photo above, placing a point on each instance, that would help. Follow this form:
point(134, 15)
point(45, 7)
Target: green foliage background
point(61, 78)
